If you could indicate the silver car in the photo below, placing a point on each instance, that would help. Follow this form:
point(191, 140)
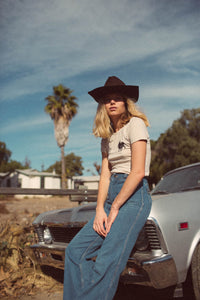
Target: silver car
point(167, 251)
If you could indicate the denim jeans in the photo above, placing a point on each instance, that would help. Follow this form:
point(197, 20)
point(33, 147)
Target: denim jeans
point(88, 279)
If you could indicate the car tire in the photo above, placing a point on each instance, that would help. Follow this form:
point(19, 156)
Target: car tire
point(191, 287)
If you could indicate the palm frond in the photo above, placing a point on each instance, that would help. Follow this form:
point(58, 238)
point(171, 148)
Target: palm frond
point(61, 103)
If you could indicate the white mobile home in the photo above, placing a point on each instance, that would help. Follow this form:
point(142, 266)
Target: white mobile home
point(30, 178)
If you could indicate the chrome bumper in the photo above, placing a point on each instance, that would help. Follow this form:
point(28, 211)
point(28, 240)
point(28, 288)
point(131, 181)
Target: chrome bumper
point(158, 272)
point(49, 255)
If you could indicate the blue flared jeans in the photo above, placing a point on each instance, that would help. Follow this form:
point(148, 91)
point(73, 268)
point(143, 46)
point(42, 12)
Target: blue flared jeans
point(89, 279)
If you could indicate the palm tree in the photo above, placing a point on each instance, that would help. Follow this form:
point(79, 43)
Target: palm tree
point(62, 108)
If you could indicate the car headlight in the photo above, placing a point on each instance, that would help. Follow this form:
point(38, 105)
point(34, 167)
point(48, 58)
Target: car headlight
point(47, 236)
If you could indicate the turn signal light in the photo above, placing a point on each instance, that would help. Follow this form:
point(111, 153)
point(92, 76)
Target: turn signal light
point(183, 226)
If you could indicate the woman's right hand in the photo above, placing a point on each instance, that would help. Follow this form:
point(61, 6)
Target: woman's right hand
point(100, 222)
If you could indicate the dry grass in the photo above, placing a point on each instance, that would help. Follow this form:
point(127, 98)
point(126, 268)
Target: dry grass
point(19, 275)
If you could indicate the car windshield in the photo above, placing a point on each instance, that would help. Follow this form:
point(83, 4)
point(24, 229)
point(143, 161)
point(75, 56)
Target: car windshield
point(180, 180)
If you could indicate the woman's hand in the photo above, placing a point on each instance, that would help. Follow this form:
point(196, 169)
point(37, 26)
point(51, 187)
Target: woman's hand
point(111, 218)
point(100, 222)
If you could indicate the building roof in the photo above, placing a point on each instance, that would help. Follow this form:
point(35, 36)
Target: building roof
point(2, 175)
point(33, 172)
point(86, 178)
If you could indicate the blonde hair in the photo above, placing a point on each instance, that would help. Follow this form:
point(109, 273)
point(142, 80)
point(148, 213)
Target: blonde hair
point(102, 124)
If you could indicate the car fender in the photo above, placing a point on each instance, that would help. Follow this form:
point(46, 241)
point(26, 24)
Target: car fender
point(194, 244)
point(186, 240)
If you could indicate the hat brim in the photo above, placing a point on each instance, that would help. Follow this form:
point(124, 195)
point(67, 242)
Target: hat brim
point(129, 91)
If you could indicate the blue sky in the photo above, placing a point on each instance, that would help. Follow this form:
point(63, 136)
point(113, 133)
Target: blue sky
point(151, 43)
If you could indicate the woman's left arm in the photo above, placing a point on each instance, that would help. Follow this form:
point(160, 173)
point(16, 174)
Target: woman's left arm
point(138, 156)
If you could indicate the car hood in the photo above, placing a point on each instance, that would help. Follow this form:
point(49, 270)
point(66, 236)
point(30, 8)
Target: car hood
point(80, 215)
point(83, 213)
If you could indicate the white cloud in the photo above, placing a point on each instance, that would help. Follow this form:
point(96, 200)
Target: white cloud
point(171, 91)
point(25, 123)
point(47, 41)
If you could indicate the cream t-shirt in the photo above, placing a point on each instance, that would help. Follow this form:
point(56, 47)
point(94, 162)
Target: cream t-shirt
point(118, 146)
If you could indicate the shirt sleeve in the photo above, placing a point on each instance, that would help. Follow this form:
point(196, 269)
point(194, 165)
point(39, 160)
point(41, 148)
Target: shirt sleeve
point(137, 130)
point(104, 146)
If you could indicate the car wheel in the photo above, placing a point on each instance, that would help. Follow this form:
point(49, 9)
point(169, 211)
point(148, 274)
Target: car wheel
point(191, 287)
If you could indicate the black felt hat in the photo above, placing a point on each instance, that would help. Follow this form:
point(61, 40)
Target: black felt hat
point(114, 85)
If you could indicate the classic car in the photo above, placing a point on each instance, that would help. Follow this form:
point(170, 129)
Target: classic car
point(167, 252)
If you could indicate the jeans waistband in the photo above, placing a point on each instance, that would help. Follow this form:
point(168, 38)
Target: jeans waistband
point(116, 175)
point(125, 175)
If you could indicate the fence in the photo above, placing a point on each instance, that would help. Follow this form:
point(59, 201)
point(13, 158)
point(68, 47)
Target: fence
point(74, 195)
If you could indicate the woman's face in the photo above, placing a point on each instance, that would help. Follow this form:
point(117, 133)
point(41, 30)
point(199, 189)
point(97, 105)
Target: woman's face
point(115, 105)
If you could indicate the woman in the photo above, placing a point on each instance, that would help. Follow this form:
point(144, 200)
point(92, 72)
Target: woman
point(123, 202)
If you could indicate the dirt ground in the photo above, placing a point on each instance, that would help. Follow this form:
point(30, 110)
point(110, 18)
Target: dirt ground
point(21, 279)
point(21, 210)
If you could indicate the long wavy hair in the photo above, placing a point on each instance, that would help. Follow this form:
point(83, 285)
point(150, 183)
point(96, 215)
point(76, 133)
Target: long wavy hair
point(102, 123)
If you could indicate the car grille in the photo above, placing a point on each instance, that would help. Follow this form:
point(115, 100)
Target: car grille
point(66, 234)
point(152, 236)
point(63, 234)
